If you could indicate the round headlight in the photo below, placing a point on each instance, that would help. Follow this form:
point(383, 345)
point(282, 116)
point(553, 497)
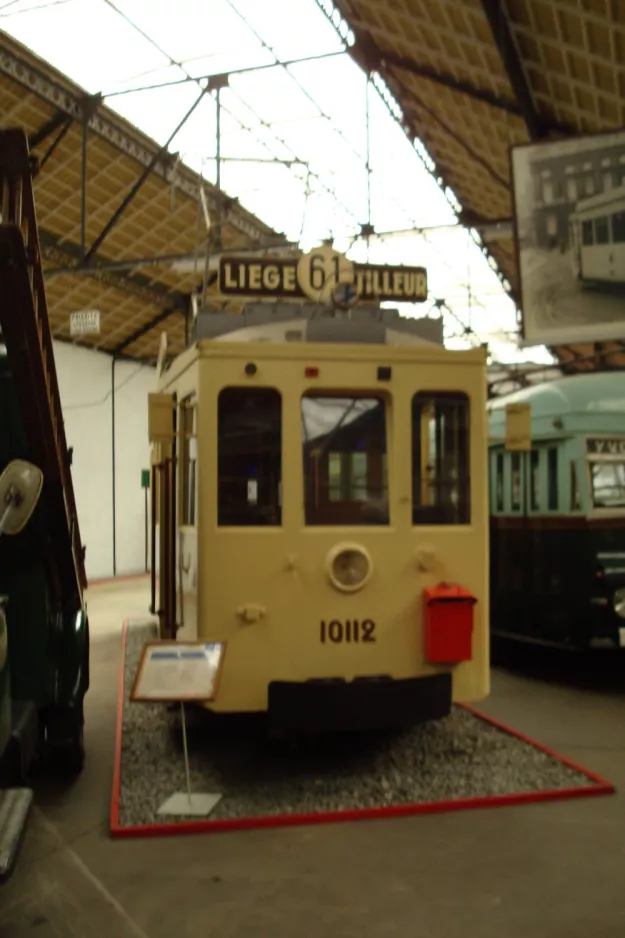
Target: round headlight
point(618, 602)
point(349, 567)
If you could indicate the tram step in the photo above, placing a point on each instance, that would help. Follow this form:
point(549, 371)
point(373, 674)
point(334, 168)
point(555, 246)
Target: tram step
point(15, 804)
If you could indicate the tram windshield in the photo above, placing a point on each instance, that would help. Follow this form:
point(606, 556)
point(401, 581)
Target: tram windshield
point(345, 466)
point(249, 457)
point(608, 484)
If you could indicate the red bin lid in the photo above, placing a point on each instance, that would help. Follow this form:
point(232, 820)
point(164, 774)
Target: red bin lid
point(448, 591)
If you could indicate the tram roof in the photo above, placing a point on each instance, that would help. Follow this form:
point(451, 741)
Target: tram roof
point(595, 393)
point(603, 199)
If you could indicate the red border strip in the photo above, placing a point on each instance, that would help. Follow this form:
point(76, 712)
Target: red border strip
point(599, 786)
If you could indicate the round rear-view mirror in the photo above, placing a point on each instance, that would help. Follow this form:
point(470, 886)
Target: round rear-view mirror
point(20, 488)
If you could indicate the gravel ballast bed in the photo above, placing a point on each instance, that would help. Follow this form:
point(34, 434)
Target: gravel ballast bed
point(459, 757)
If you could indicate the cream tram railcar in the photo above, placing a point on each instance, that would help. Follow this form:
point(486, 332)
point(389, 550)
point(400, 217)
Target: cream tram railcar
point(597, 234)
point(323, 511)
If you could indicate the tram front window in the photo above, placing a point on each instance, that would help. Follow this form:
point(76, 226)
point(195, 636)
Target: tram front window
point(345, 474)
point(608, 484)
point(249, 457)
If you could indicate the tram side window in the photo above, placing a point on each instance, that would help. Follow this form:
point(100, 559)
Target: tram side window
point(602, 230)
point(499, 502)
point(515, 482)
point(608, 484)
point(575, 496)
point(344, 452)
point(618, 227)
point(535, 480)
point(249, 453)
point(441, 487)
point(188, 458)
point(552, 479)
point(587, 233)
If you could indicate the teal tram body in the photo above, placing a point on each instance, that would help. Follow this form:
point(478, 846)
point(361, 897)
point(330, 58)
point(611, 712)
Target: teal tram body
point(558, 515)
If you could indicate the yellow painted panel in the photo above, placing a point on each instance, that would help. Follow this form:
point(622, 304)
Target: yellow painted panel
point(280, 572)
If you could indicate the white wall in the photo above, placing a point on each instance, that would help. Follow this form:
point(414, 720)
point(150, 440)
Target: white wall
point(85, 385)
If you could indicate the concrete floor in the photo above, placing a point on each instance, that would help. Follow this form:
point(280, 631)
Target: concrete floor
point(544, 871)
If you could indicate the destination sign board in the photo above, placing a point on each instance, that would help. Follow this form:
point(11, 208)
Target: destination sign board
point(518, 427)
point(605, 446)
point(316, 275)
point(85, 322)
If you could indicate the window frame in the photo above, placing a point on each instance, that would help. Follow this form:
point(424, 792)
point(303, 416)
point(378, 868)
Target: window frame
point(229, 525)
point(313, 515)
point(534, 474)
point(498, 468)
point(603, 509)
point(603, 232)
point(553, 481)
point(617, 220)
point(464, 509)
point(516, 457)
point(187, 441)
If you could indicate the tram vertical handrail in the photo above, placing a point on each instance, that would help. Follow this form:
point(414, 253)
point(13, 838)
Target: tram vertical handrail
point(153, 541)
point(27, 335)
point(173, 538)
point(167, 592)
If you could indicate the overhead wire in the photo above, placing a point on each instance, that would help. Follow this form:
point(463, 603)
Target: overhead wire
point(268, 125)
point(331, 192)
point(89, 404)
point(180, 65)
point(40, 6)
point(311, 174)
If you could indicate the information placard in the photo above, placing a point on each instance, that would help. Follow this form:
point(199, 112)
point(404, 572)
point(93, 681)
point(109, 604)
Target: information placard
point(178, 671)
point(85, 322)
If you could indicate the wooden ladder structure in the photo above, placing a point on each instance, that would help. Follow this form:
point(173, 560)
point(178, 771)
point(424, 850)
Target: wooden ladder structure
point(25, 331)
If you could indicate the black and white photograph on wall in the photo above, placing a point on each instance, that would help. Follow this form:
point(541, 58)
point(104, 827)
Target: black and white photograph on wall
point(569, 205)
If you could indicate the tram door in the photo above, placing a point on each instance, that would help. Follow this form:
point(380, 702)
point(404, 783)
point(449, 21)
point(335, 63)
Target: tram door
point(162, 416)
point(513, 483)
point(527, 545)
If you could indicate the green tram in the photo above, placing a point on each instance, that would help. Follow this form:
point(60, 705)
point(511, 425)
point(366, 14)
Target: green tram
point(557, 515)
point(44, 629)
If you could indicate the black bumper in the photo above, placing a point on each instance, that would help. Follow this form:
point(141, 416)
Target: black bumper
point(362, 704)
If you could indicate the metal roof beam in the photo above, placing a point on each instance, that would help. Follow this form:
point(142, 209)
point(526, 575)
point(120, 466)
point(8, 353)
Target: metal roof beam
point(495, 13)
point(150, 291)
point(56, 121)
point(68, 98)
point(143, 330)
point(39, 164)
point(117, 214)
point(155, 260)
point(448, 81)
point(367, 54)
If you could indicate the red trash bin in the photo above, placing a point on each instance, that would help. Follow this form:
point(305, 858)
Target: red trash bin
point(448, 616)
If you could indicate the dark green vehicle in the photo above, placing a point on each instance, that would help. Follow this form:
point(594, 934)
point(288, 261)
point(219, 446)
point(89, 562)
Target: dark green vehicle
point(557, 516)
point(44, 631)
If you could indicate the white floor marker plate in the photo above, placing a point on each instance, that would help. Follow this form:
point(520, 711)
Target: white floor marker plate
point(181, 804)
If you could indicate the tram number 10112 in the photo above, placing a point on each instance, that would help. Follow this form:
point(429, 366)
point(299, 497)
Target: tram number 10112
point(352, 630)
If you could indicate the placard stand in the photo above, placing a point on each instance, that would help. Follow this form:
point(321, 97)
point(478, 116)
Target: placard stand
point(180, 671)
point(188, 803)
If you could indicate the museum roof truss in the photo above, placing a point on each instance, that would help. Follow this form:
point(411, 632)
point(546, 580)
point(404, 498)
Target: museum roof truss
point(468, 78)
point(475, 77)
point(110, 204)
